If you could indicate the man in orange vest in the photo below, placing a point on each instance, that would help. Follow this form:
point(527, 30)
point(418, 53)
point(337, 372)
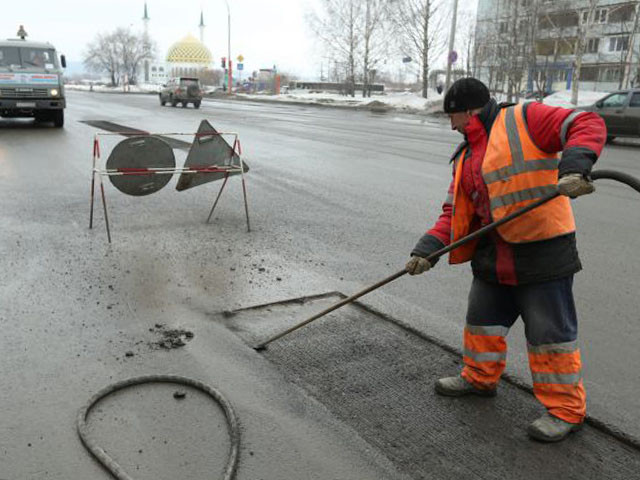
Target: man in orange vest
point(509, 158)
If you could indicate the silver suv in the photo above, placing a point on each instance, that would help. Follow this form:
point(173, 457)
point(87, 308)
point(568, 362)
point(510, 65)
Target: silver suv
point(183, 90)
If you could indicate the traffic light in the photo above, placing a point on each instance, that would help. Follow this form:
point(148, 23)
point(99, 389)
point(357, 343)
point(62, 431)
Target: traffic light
point(223, 62)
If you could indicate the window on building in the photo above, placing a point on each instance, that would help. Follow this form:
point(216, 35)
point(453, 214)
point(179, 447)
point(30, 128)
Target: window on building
point(545, 47)
point(635, 100)
point(592, 45)
point(161, 69)
point(599, 16)
point(589, 73)
point(503, 27)
point(558, 20)
point(154, 69)
point(622, 13)
point(618, 44)
point(525, 3)
point(567, 46)
point(611, 74)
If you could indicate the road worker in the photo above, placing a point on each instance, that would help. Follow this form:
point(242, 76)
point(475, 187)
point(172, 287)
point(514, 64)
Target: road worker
point(512, 155)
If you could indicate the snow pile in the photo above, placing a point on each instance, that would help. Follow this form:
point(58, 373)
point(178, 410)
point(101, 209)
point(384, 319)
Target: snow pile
point(407, 101)
point(142, 88)
point(563, 98)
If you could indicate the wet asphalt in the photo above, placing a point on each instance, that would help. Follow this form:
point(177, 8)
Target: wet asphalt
point(337, 199)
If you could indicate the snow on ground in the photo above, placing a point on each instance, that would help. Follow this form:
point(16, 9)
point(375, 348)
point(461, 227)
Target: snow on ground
point(409, 101)
point(403, 101)
point(142, 88)
point(563, 98)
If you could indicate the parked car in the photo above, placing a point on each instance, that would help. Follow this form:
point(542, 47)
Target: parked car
point(620, 112)
point(183, 90)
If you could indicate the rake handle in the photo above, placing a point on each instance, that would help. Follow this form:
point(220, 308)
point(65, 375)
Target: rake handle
point(478, 233)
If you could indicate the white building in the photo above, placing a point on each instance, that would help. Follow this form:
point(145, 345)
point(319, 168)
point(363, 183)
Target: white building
point(187, 57)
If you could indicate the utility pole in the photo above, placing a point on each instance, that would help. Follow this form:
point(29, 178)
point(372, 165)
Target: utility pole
point(230, 79)
point(452, 38)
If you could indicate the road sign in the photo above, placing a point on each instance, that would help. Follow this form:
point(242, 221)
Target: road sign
point(240, 58)
point(240, 66)
point(141, 153)
point(453, 56)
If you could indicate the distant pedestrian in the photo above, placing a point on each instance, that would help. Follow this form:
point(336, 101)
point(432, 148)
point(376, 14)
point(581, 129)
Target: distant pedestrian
point(509, 158)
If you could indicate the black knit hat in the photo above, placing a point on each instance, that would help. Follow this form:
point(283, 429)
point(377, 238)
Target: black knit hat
point(466, 94)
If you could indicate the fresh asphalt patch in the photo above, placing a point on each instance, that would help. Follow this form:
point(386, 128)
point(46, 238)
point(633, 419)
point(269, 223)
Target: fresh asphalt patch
point(377, 377)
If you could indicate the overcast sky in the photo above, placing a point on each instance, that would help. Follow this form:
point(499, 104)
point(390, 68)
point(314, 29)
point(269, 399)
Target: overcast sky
point(265, 32)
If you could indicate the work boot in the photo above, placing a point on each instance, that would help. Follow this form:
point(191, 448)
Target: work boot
point(551, 429)
point(458, 386)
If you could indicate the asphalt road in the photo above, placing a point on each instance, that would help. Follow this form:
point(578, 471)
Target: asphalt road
point(337, 200)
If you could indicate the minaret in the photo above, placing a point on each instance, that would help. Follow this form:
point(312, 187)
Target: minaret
point(202, 25)
point(146, 19)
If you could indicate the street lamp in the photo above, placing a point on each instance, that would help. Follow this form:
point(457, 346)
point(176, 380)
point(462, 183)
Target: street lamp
point(229, 80)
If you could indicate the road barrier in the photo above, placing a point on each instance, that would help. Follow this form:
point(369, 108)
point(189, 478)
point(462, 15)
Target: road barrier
point(145, 162)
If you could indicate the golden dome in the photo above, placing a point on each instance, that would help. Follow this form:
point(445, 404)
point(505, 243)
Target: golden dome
point(189, 50)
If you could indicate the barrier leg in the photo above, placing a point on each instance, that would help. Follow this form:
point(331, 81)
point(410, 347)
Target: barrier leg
point(93, 183)
point(104, 204)
point(246, 205)
point(226, 177)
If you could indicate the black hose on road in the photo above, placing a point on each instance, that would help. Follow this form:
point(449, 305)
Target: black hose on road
point(622, 177)
point(112, 466)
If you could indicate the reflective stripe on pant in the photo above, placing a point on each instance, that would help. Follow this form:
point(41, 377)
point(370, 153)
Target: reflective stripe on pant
point(485, 355)
point(548, 311)
point(556, 371)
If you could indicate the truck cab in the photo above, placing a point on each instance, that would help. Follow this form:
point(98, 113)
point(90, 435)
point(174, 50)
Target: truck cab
point(31, 83)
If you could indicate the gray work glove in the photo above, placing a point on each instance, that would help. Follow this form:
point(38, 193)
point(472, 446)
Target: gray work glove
point(574, 185)
point(417, 265)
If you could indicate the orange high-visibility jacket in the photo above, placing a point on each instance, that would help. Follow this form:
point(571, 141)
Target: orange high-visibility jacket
point(516, 173)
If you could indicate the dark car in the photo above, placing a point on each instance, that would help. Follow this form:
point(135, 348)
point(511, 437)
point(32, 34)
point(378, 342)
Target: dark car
point(183, 90)
point(620, 112)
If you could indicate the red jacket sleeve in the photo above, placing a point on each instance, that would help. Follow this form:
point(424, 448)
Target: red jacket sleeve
point(580, 136)
point(442, 228)
point(438, 236)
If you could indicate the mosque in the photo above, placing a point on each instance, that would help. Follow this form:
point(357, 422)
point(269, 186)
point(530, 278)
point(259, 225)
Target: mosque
point(186, 57)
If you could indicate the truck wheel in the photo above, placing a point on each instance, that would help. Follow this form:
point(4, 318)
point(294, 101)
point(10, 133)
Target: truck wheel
point(174, 102)
point(58, 118)
point(196, 104)
point(184, 104)
point(162, 101)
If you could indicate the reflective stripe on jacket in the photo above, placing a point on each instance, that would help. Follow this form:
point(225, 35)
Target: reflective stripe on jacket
point(516, 173)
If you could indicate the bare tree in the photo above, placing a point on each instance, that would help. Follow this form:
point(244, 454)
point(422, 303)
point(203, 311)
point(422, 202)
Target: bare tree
point(628, 58)
point(465, 38)
point(419, 28)
point(118, 54)
point(102, 56)
point(551, 35)
point(336, 25)
point(374, 40)
point(583, 27)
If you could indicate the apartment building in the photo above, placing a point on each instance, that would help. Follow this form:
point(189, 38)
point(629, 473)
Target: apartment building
point(530, 45)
